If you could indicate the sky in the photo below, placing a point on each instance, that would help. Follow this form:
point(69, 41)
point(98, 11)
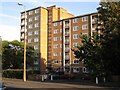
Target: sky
point(10, 13)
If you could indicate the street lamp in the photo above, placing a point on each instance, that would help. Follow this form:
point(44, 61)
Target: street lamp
point(24, 73)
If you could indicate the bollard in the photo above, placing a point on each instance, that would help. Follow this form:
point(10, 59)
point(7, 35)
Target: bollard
point(96, 80)
point(42, 78)
point(104, 79)
point(51, 77)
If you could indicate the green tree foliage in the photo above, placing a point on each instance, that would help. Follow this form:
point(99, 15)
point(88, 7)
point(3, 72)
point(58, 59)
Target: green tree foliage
point(109, 15)
point(13, 55)
point(101, 53)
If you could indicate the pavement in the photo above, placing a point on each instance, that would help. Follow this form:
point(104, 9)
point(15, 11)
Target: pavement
point(18, 84)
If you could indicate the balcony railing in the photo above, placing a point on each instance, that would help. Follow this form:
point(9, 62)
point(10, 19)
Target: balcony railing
point(67, 57)
point(67, 25)
point(67, 41)
point(67, 49)
point(67, 33)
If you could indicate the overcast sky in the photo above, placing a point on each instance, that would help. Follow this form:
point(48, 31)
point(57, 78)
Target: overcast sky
point(10, 13)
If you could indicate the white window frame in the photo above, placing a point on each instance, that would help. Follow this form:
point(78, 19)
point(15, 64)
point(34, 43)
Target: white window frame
point(84, 27)
point(76, 61)
point(30, 19)
point(76, 69)
point(29, 40)
point(75, 28)
point(56, 23)
point(30, 33)
point(36, 10)
point(85, 18)
point(75, 44)
point(36, 47)
point(36, 32)
point(75, 36)
point(36, 39)
point(55, 53)
point(55, 38)
point(36, 17)
point(36, 25)
point(75, 20)
point(30, 26)
point(30, 12)
point(56, 46)
point(56, 31)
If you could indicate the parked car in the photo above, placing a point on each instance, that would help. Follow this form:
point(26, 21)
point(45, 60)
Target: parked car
point(2, 86)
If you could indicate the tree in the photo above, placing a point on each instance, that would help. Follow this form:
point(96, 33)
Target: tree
point(101, 53)
point(109, 16)
point(13, 55)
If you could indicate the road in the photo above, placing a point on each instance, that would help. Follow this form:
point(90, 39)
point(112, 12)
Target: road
point(16, 84)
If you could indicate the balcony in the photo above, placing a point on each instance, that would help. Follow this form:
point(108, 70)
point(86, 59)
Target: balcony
point(67, 25)
point(67, 62)
point(67, 33)
point(22, 30)
point(67, 49)
point(67, 57)
point(67, 41)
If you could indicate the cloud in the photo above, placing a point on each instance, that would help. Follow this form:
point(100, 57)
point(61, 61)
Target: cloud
point(8, 16)
point(10, 33)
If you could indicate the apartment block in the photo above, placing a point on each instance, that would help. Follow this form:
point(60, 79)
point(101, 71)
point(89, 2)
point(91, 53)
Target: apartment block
point(66, 36)
point(38, 22)
point(53, 32)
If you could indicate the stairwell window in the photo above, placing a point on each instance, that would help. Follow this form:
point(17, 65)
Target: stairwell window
point(55, 24)
point(55, 53)
point(55, 38)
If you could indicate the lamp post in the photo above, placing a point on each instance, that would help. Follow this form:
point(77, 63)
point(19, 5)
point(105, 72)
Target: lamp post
point(24, 73)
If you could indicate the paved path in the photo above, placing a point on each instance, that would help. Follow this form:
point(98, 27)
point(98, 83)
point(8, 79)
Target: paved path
point(17, 83)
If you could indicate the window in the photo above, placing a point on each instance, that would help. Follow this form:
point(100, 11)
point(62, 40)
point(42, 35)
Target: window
point(56, 46)
point(55, 24)
point(60, 45)
point(30, 26)
point(76, 69)
point(55, 38)
point(61, 23)
point(76, 61)
point(36, 32)
point(75, 44)
point(85, 18)
point(36, 47)
point(30, 12)
point(36, 25)
point(36, 39)
point(84, 69)
point(55, 31)
point(55, 61)
point(75, 36)
point(30, 20)
point(29, 40)
point(75, 28)
point(30, 33)
point(37, 18)
point(75, 20)
point(55, 53)
point(60, 30)
point(84, 27)
point(85, 34)
point(37, 11)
